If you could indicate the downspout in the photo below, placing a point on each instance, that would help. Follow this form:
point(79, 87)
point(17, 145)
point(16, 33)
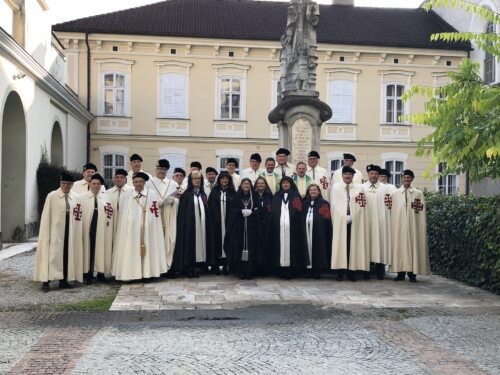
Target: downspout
point(88, 92)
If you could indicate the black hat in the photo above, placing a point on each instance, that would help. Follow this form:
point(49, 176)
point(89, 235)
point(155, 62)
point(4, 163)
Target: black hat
point(121, 172)
point(163, 163)
point(349, 157)
point(232, 161)
point(211, 169)
point(136, 157)
point(140, 175)
point(67, 177)
point(196, 164)
point(256, 157)
point(97, 176)
point(282, 151)
point(347, 169)
point(373, 168)
point(408, 172)
point(89, 166)
point(385, 172)
point(313, 154)
point(180, 170)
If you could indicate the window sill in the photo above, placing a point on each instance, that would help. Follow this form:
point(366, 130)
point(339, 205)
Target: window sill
point(395, 124)
point(342, 123)
point(230, 120)
point(113, 116)
point(174, 118)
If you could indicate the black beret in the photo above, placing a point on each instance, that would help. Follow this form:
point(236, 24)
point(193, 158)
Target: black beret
point(385, 172)
point(408, 172)
point(256, 157)
point(349, 157)
point(211, 169)
point(347, 169)
point(283, 151)
point(232, 161)
point(180, 170)
point(97, 176)
point(67, 177)
point(163, 163)
point(135, 157)
point(196, 164)
point(121, 172)
point(90, 166)
point(142, 175)
point(313, 154)
point(373, 168)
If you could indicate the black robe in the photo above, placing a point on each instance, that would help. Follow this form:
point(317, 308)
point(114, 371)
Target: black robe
point(235, 235)
point(321, 233)
point(299, 257)
point(264, 253)
point(216, 217)
point(185, 245)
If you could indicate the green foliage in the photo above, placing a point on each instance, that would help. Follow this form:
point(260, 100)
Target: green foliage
point(95, 305)
point(463, 233)
point(465, 115)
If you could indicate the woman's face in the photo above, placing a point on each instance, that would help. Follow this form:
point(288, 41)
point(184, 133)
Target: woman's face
point(245, 186)
point(196, 180)
point(286, 185)
point(260, 185)
point(314, 192)
point(224, 181)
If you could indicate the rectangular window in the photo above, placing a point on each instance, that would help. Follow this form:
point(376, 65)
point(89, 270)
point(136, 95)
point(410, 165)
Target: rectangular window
point(111, 162)
point(395, 167)
point(230, 98)
point(447, 184)
point(489, 59)
point(223, 161)
point(114, 94)
point(173, 96)
point(394, 106)
point(176, 161)
point(335, 164)
point(341, 100)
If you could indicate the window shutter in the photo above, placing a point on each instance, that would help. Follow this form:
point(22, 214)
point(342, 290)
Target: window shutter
point(173, 100)
point(341, 94)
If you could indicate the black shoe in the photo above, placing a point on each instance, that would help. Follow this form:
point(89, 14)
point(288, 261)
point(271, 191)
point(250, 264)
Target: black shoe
point(171, 275)
point(101, 278)
point(340, 277)
point(352, 277)
point(225, 272)
point(366, 275)
point(190, 273)
point(380, 277)
point(413, 278)
point(87, 280)
point(400, 276)
point(63, 284)
point(215, 270)
point(45, 287)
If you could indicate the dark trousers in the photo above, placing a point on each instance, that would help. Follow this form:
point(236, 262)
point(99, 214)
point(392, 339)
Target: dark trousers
point(92, 237)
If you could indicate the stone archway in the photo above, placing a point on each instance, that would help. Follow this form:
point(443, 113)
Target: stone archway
point(13, 172)
point(56, 145)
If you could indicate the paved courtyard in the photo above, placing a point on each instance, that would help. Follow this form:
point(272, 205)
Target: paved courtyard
point(220, 325)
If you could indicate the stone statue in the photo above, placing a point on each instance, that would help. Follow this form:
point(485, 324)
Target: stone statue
point(298, 55)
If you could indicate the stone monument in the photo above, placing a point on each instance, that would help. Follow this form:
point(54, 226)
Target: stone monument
point(299, 113)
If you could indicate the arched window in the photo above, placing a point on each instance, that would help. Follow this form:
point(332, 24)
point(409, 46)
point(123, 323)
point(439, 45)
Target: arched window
point(489, 59)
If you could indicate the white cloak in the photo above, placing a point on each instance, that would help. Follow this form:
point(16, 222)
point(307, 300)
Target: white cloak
point(378, 205)
point(82, 186)
point(356, 179)
point(251, 174)
point(288, 170)
point(116, 197)
point(320, 177)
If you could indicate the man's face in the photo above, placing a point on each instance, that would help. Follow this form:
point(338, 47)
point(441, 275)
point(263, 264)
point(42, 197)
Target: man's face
point(270, 165)
point(254, 164)
point(120, 180)
point(139, 184)
point(178, 177)
point(211, 176)
point(66, 186)
point(347, 177)
point(231, 167)
point(282, 159)
point(383, 179)
point(312, 161)
point(348, 162)
point(161, 172)
point(406, 180)
point(95, 186)
point(136, 165)
point(373, 176)
point(301, 170)
point(87, 174)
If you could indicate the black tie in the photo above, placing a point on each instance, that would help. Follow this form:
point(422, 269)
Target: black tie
point(92, 235)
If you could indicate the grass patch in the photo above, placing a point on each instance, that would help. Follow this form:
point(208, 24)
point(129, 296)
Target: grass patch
point(97, 304)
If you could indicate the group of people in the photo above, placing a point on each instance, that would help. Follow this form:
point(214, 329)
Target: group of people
point(277, 220)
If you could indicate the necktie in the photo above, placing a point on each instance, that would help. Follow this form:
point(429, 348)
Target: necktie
point(348, 199)
point(118, 202)
point(92, 235)
point(283, 173)
point(67, 202)
point(406, 197)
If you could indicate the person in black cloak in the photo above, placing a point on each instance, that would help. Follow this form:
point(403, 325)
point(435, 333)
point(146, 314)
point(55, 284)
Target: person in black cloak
point(286, 232)
point(243, 238)
point(264, 198)
point(318, 223)
point(219, 206)
point(194, 240)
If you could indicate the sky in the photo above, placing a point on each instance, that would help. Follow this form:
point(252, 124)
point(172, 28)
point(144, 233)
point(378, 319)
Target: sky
point(66, 10)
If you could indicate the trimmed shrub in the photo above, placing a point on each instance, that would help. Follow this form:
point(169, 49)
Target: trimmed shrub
point(47, 180)
point(464, 238)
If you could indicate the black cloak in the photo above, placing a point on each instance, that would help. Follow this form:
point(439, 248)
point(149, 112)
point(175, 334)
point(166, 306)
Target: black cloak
point(322, 232)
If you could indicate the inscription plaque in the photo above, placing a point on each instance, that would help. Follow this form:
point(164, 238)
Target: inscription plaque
point(301, 140)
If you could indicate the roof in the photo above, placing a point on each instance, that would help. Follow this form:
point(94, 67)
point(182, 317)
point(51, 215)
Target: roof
point(264, 20)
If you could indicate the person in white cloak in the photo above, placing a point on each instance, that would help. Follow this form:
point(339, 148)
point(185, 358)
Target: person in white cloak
point(59, 249)
point(282, 167)
point(318, 175)
point(211, 180)
point(116, 196)
point(254, 171)
point(378, 205)
point(97, 221)
point(135, 166)
point(231, 165)
point(408, 231)
point(349, 160)
point(140, 247)
point(349, 216)
point(272, 177)
point(83, 185)
point(384, 177)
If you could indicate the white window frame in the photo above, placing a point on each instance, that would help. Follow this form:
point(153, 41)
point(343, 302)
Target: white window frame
point(231, 93)
point(342, 74)
point(489, 59)
point(168, 152)
point(115, 66)
point(170, 112)
point(113, 150)
point(114, 88)
point(393, 157)
point(333, 157)
point(332, 96)
point(222, 154)
point(394, 99)
point(443, 182)
point(394, 77)
point(173, 67)
point(231, 71)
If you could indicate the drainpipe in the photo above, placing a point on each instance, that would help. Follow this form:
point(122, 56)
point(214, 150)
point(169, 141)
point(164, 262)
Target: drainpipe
point(88, 92)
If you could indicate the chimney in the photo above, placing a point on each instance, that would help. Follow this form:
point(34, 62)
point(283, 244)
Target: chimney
point(343, 2)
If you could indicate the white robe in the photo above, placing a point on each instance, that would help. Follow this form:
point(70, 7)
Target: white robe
point(320, 177)
point(128, 263)
point(117, 197)
point(236, 180)
point(391, 187)
point(82, 186)
point(104, 232)
point(251, 174)
point(409, 251)
point(310, 231)
point(359, 257)
point(288, 170)
point(285, 259)
point(357, 178)
point(378, 206)
point(200, 229)
point(50, 248)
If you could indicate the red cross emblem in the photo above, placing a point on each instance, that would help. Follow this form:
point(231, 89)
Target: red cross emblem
point(108, 209)
point(361, 200)
point(417, 206)
point(388, 201)
point(77, 212)
point(154, 209)
point(324, 182)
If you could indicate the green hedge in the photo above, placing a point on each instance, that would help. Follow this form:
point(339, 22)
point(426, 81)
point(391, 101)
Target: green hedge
point(464, 238)
point(47, 180)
